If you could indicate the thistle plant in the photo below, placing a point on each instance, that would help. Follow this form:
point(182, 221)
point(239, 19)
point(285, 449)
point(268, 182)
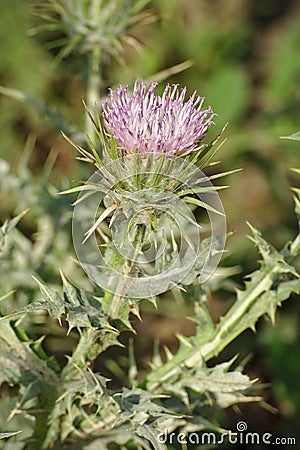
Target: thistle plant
point(146, 185)
point(147, 243)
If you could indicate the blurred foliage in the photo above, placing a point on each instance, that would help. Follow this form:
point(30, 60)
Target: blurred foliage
point(245, 61)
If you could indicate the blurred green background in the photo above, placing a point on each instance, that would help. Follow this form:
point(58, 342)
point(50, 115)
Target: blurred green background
point(245, 61)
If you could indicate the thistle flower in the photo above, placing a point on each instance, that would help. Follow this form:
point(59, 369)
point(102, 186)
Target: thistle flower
point(92, 24)
point(149, 123)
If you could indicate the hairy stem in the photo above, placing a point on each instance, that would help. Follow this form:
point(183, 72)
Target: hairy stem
point(117, 299)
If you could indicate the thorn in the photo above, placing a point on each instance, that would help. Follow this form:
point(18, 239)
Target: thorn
point(90, 116)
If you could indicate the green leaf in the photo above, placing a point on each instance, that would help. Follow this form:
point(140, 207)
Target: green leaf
point(226, 387)
point(80, 308)
point(20, 359)
point(265, 290)
point(9, 434)
point(150, 434)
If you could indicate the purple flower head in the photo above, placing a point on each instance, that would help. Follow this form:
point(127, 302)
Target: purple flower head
point(150, 123)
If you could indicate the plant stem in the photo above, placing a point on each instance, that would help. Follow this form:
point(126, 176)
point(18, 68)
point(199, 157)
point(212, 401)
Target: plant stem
point(129, 266)
point(93, 88)
point(225, 333)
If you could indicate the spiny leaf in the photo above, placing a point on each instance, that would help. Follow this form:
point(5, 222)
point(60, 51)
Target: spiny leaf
point(262, 295)
point(20, 359)
point(80, 308)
